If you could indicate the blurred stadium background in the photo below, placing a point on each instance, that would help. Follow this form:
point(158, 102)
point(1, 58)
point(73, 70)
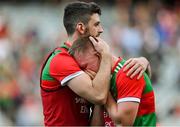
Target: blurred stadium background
point(29, 29)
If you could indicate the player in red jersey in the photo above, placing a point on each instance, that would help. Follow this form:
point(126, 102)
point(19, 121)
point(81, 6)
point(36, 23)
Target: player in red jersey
point(135, 98)
point(65, 88)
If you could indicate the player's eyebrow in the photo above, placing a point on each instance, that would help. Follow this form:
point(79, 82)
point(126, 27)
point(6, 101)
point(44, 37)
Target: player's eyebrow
point(97, 23)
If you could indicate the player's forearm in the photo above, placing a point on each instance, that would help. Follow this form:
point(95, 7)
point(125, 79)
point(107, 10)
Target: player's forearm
point(101, 81)
point(118, 116)
point(111, 107)
point(122, 118)
point(123, 113)
point(97, 116)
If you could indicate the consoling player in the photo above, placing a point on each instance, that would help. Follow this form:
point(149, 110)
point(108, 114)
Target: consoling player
point(66, 90)
point(135, 98)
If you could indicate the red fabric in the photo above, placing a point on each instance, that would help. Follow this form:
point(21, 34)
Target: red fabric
point(49, 85)
point(63, 107)
point(62, 65)
point(147, 104)
point(108, 121)
point(128, 87)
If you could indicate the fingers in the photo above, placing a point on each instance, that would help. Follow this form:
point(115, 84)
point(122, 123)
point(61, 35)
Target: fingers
point(96, 44)
point(135, 72)
point(137, 69)
point(100, 45)
point(93, 40)
point(92, 72)
point(128, 61)
point(134, 68)
point(143, 61)
point(129, 64)
point(140, 74)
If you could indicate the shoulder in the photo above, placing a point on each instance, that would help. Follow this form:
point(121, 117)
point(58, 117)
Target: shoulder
point(63, 61)
point(122, 78)
point(63, 57)
point(129, 89)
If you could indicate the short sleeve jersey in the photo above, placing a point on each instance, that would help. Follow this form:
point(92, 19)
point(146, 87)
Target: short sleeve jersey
point(61, 106)
point(125, 89)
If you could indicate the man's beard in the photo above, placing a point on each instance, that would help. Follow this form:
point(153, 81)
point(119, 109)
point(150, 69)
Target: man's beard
point(87, 33)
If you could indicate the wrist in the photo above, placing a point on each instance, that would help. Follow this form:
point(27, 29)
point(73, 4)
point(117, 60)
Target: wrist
point(106, 55)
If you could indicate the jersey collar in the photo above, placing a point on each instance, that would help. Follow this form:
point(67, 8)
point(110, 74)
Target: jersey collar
point(114, 67)
point(66, 45)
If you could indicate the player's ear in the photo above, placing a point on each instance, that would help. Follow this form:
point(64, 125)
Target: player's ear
point(80, 27)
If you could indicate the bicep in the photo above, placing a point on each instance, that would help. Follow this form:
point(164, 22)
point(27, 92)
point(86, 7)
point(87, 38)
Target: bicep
point(127, 112)
point(128, 99)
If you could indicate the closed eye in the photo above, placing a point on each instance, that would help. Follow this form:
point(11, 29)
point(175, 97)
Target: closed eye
point(97, 23)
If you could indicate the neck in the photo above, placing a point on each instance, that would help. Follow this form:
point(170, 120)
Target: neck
point(72, 38)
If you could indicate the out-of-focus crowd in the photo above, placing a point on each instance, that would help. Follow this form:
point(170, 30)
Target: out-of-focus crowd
point(132, 28)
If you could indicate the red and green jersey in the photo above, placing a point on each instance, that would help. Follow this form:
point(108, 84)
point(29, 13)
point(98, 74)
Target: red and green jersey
point(61, 106)
point(124, 89)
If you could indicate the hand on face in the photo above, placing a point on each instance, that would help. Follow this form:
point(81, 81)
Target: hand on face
point(100, 45)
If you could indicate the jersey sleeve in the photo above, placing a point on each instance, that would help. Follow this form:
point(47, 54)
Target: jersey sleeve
point(64, 68)
point(129, 89)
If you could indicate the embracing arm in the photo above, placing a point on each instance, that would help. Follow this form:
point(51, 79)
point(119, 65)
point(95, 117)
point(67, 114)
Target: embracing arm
point(95, 90)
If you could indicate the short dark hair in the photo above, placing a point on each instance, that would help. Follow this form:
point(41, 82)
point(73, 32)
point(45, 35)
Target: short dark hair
point(76, 12)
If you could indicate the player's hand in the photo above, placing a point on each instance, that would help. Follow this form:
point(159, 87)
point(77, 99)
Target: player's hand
point(100, 45)
point(137, 65)
point(91, 74)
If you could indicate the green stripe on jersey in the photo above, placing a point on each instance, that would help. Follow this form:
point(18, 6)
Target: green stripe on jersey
point(64, 46)
point(113, 88)
point(146, 120)
point(113, 78)
point(46, 73)
point(148, 87)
